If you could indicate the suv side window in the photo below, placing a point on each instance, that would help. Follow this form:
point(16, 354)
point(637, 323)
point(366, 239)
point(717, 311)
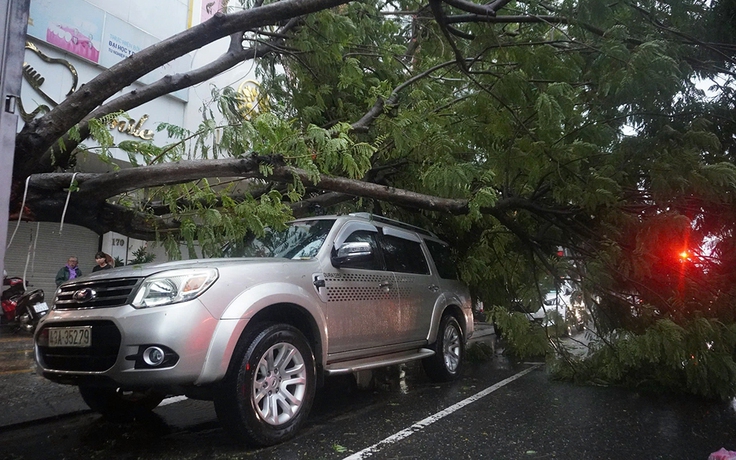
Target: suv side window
point(442, 259)
point(403, 255)
point(365, 236)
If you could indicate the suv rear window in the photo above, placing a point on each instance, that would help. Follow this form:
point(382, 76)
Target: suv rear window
point(443, 259)
point(403, 255)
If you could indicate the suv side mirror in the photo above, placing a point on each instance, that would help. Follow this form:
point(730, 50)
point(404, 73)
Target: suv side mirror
point(351, 253)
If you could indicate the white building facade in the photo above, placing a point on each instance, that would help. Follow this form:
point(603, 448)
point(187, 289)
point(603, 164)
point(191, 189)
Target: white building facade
point(69, 42)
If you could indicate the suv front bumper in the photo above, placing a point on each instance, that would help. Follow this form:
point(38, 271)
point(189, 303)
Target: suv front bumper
point(119, 338)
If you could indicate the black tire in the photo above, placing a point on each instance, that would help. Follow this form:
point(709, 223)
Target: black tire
point(116, 404)
point(447, 362)
point(269, 389)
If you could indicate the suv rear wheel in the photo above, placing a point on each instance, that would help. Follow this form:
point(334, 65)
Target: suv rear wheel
point(267, 394)
point(447, 361)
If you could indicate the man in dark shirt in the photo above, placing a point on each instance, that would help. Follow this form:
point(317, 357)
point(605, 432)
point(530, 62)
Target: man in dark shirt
point(68, 271)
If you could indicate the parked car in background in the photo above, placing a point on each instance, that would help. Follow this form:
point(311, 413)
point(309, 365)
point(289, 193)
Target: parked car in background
point(563, 308)
point(257, 332)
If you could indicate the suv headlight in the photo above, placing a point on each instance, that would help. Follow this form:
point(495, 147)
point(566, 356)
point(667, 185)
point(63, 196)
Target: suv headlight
point(174, 286)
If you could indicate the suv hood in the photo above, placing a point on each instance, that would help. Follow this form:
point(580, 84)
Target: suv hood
point(142, 270)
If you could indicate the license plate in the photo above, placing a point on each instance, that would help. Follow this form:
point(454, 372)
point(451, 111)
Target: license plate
point(80, 336)
point(41, 307)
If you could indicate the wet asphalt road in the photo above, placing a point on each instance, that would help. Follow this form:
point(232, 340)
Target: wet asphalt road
point(493, 412)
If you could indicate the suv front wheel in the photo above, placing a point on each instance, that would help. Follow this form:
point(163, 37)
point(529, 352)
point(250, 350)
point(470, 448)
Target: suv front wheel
point(449, 351)
point(267, 394)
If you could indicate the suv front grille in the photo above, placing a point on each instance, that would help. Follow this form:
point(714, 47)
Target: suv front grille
point(96, 294)
point(99, 356)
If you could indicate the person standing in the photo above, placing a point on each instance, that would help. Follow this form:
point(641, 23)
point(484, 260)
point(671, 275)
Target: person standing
point(68, 271)
point(104, 262)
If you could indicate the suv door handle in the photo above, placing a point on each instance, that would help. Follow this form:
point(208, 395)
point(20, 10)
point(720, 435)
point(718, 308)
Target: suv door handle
point(433, 287)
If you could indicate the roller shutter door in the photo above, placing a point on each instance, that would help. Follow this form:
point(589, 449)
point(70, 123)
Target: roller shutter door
point(51, 251)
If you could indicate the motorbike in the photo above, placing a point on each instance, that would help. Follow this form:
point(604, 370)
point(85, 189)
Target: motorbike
point(22, 308)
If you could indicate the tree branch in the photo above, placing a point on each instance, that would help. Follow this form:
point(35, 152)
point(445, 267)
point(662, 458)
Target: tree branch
point(378, 108)
point(40, 134)
point(235, 54)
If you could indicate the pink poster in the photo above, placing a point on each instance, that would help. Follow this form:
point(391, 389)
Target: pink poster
point(73, 25)
point(71, 39)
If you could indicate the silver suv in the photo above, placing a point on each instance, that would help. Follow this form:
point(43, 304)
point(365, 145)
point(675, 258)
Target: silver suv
point(256, 332)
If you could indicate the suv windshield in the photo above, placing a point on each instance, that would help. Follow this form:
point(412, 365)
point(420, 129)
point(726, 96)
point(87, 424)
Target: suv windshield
point(300, 240)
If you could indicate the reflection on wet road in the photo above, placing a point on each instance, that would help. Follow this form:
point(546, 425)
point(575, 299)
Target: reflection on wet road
point(344, 419)
point(488, 414)
point(16, 353)
point(422, 424)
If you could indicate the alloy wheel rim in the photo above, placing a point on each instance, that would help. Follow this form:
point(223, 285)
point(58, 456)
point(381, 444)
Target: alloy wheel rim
point(279, 384)
point(451, 348)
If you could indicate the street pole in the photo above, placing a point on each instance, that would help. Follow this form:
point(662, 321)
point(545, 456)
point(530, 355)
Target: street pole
point(12, 50)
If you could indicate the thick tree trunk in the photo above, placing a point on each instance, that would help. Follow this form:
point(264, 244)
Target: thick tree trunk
point(47, 194)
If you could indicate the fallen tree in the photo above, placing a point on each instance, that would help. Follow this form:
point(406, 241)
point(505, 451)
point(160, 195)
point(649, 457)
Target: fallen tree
point(513, 130)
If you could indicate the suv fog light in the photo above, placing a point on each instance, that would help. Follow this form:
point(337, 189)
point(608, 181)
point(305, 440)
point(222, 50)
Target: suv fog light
point(153, 356)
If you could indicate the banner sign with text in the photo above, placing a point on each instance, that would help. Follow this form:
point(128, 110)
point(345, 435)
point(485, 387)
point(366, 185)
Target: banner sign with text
point(84, 30)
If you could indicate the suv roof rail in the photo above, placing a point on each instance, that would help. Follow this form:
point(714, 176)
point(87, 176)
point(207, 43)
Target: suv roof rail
point(396, 223)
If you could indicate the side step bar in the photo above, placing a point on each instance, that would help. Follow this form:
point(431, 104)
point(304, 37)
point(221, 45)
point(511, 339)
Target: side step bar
point(346, 367)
